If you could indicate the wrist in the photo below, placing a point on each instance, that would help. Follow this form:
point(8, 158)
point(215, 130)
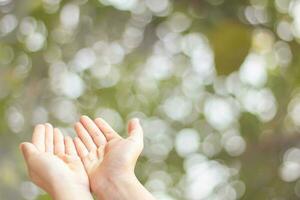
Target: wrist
point(71, 192)
point(110, 187)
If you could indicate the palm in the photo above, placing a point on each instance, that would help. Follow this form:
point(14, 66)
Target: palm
point(49, 152)
point(63, 167)
point(111, 154)
point(115, 157)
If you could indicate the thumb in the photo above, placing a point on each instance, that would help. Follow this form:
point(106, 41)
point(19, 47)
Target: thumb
point(27, 149)
point(135, 130)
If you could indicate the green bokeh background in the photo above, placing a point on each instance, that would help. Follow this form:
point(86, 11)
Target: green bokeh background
point(26, 89)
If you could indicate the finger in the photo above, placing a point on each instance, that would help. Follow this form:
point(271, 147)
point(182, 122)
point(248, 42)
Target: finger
point(93, 130)
point(59, 146)
point(69, 146)
point(85, 137)
point(28, 149)
point(106, 129)
point(100, 152)
point(135, 131)
point(81, 149)
point(48, 138)
point(38, 137)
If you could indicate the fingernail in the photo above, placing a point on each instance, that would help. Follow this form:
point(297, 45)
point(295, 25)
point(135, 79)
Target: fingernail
point(83, 116)
point(98, 119)
point(48, 124)
point(39, 126)
point(136, 120)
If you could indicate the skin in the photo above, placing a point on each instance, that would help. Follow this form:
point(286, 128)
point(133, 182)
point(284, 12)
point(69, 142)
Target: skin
point(54, 165)
point(110, 159)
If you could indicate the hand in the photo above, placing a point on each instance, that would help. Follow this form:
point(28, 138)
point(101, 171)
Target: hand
point(111, 169)
point(53, 164)
point(98, 138)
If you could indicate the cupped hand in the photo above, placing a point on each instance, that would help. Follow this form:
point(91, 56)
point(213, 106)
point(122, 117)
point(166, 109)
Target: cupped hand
point(54, 165)
point(104, 153)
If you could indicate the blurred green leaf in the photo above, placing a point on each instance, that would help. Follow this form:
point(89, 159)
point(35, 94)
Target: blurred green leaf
point(231, 42)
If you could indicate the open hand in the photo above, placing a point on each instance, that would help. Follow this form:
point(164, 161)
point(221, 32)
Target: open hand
point(53, 164)
point(105, 153)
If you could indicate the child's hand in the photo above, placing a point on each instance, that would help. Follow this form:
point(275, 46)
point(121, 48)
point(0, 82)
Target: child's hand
point(53, 164)
point(111, 177)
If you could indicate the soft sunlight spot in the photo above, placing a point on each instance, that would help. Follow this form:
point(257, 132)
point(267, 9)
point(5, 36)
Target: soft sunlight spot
point(72, 85)
point(262, 42)
point(7, 24)
point(283, 53)
point(15, 119)
point(53, 54)
point(29, 190)
point(196, 46)
point(28, 26)
point(35, 42)
point(51, 6)
point(193, 160)
point(120, 4)
point(64, 110)
point(211, 145)
point(23, 64)
point(84, 59)
point(193, 86)
point(162, 30)
point(187, 142)
point(162, 128)
point(225, 192)
point(292, 155)
point(193, 41)
point(294, 110)
point(159, 151)
point(39, 115)
point(155, 184)
point(159, 67)
point(253, 71)
point(282, 5)
point(235, 145)
point(295, 13)
point(284, 30)
point(158, 181)
point(290, 171)
point(203, 63)
point(240, 188)
point(179, 22)
point(115, 53)
point(157, 6)
point(112, 117)
point(111, 79)
point(177, 108)
point(290, 168)
point(132, 37)
point(159, 140)
point(172, 43)
point(260, 102)
point(69, 16)
point(220, 113)
point(163, 196)
point(203, 178)
point(100, 69)
point(4, 2)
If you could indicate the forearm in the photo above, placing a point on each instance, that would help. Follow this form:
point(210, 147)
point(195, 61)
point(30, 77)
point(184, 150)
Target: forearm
point(125, 189)
point(71, 193)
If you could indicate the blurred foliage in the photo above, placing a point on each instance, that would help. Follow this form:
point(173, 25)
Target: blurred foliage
point(215, 83)
point(231, 43)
